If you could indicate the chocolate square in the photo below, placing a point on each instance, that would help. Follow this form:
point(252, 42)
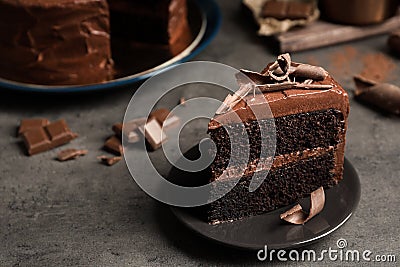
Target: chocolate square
point(299, 10)
point(113, 145)
point(36, 140)
point(27, 124)
point(275, 9)
point(59, 133)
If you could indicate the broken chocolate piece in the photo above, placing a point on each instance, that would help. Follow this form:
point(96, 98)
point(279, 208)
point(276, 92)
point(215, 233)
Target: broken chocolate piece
point(59, 133)
point(275, 9)
point(27, 124)
point(381, 95)
point(117, 129)
point(36, 141)
point(170, 122)
point(160, 115)
point(292, 10)
point(153, 133)
point(133, 125)
point(296, 215)
point(110, 161)
point(69, 154)
point(299, 10)
point(113, 145)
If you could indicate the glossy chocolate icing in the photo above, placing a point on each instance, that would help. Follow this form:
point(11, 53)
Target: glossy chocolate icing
point(286, 102)
point(55, 42)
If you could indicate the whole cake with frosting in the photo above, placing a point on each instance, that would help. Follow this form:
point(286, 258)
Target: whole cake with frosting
point(68, 42)
point(307, 110)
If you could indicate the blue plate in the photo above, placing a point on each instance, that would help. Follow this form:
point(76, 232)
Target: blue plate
point(209, 23)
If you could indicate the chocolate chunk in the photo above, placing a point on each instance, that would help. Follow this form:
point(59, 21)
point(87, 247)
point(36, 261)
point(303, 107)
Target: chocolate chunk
point(275, 9)
point(109, 161)
point(153, 133)
point(113, 145)
point(69, 154)
point(160, 115)
point(299, 10)
point(27, 124)
point(59, 133)
point(133, 125)
point(381, 95)
point(36, 140)
point(287, 10)
point(117, 128)
point(296, 215)
point(394, 42)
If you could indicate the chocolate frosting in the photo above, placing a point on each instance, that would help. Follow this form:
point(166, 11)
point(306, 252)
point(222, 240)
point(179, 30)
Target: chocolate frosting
point(55, 42)
point(286, 102)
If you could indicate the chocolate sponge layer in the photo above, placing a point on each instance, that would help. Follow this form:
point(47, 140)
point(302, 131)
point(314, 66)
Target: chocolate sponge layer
point(299, 132)
point(282, 186)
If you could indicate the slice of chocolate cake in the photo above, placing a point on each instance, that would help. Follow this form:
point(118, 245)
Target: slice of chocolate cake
point(309, 114)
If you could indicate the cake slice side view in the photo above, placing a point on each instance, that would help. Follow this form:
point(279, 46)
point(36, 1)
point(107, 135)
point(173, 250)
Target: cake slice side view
point(310, 111)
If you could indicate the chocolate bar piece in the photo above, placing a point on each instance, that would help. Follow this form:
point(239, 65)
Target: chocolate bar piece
point(109, 161)
point(59, 133)
point(69, 154)
point(164, 118)
point(274, 9)
point(27, 124)
point(160, 115)
point(36, 140)
point(153, 133)
point(299, 10)
point(113, 145)
point(287, 10)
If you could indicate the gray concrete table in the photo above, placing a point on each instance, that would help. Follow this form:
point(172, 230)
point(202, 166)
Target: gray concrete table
point(84, 213)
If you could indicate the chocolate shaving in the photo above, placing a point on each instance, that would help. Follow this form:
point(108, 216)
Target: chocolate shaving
point(381, 95)
point(69, 154)
point(296, 215)
point(109, 161)
point(276, 77)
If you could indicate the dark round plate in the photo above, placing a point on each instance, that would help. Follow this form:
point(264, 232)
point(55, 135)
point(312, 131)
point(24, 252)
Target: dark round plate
point(204, 19)
point(255, 232)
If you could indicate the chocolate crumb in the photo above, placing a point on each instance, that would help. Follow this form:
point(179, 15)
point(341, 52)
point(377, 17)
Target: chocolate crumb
point(109, 161)
point(69, 154)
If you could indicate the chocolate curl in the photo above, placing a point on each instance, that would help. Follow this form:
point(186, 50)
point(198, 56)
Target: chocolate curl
point(308, 71)
point(382, 95)
point(296, 215)
point(256, 77)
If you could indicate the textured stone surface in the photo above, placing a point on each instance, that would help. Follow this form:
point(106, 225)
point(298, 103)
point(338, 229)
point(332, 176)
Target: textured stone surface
point(84, 213)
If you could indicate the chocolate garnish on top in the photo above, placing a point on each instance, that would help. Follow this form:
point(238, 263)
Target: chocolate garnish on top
point(278, 76)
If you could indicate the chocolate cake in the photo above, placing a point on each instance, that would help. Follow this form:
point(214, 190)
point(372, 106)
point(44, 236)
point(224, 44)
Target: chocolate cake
point(309, 113)
point(59, 42)
point(155, 21)
point(67, 42)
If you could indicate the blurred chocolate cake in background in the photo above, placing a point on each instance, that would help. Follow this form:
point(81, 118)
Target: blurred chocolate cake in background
point(69, 42)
